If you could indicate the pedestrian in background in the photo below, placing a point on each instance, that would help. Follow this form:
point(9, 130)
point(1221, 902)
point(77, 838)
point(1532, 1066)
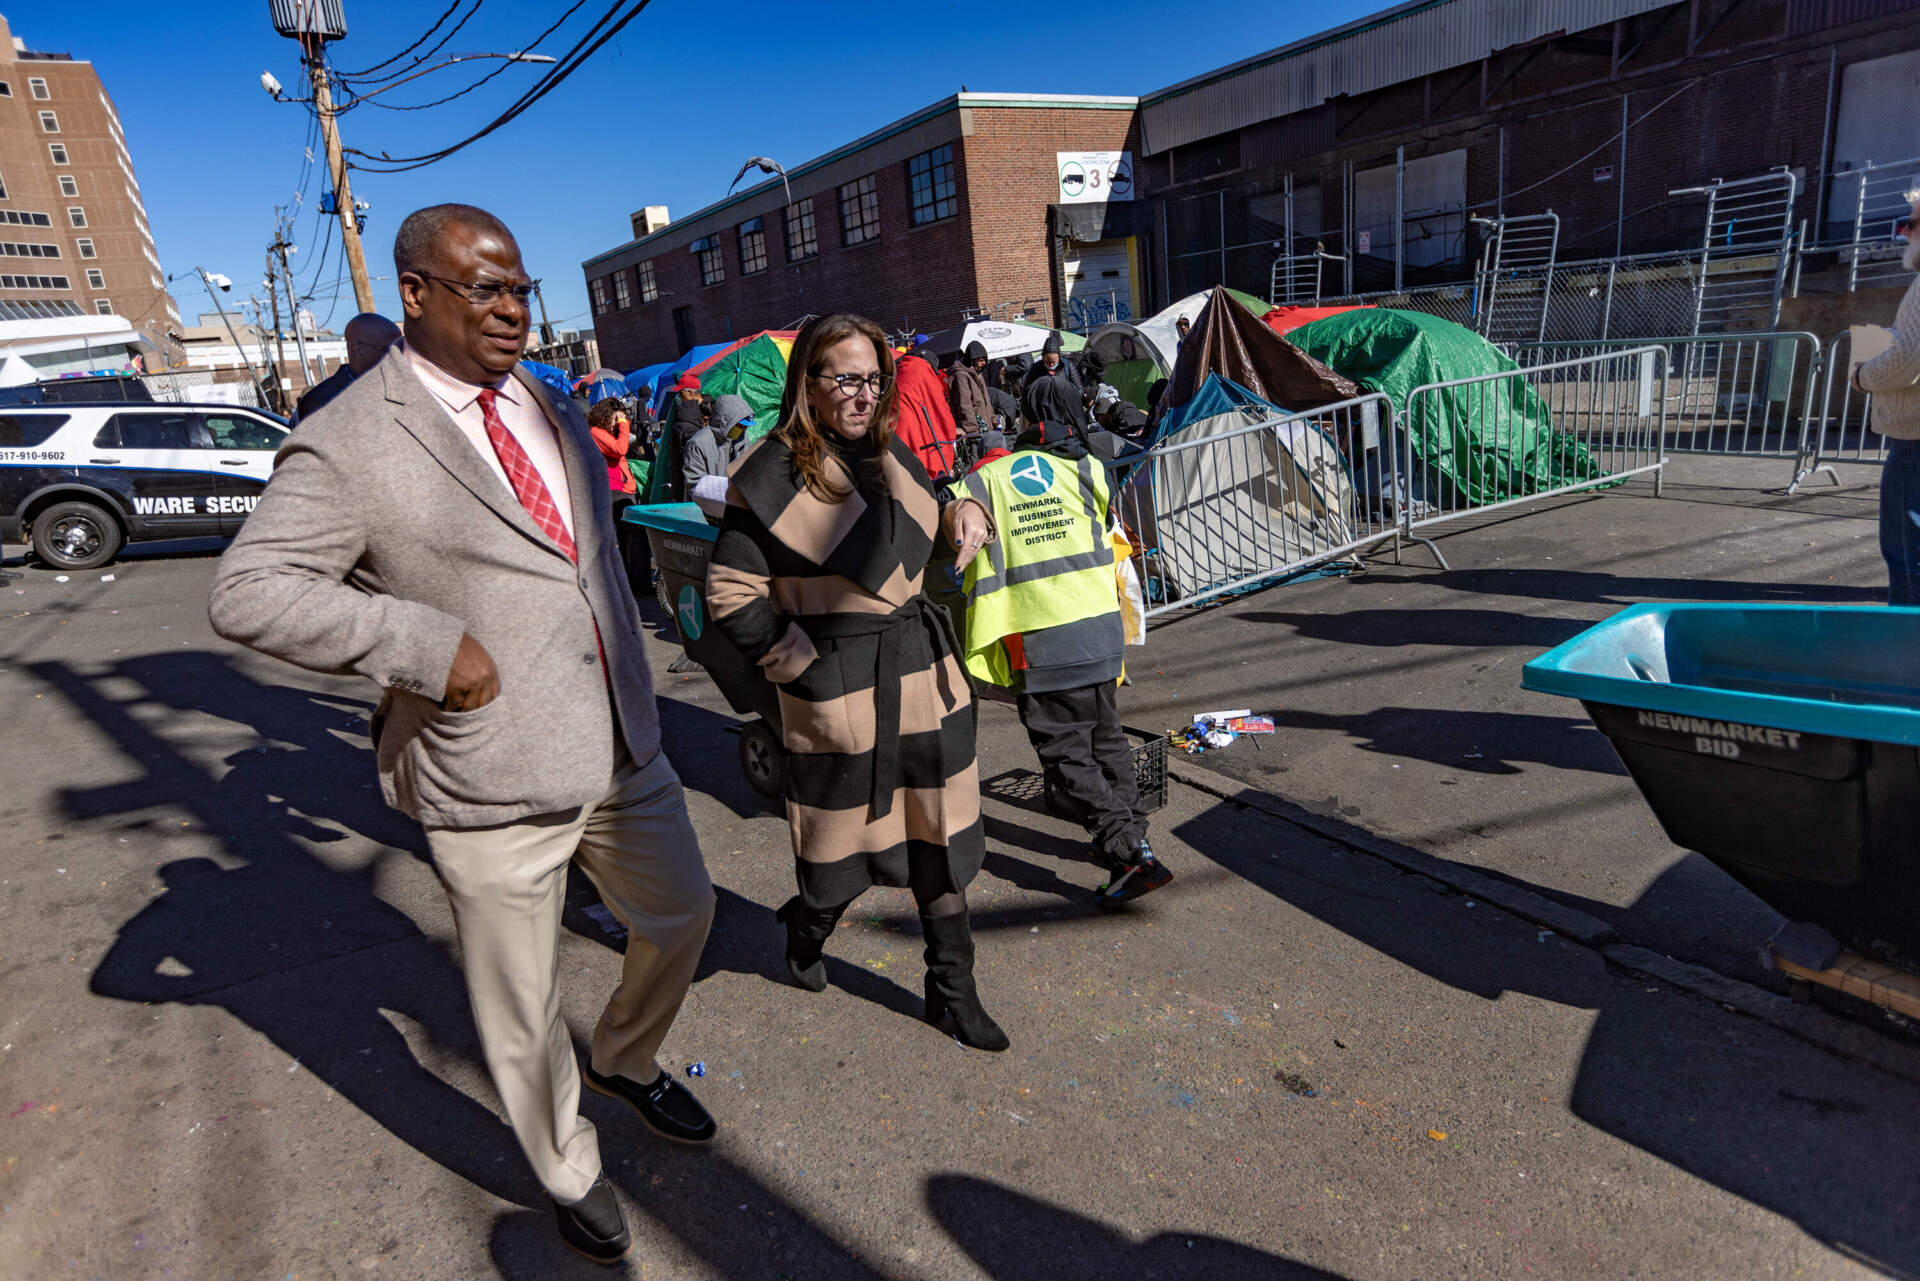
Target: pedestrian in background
point(1893, 380)
point(368, 336)
point(876, 713)
point(1043, 621)
point(967, 388)
point(443, 530)
point(923, 422)
point(712, 451)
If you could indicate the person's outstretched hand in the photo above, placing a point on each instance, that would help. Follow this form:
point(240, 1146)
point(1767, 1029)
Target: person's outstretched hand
point(473, 681)
point(971, 532)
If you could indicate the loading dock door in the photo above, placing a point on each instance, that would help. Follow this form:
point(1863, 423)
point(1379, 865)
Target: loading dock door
point(1097, 282)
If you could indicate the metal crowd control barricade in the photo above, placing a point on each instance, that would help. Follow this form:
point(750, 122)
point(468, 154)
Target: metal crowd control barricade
point(1604, 421)
point(1742, 394)
point(1842, 430)
point(1231, 511)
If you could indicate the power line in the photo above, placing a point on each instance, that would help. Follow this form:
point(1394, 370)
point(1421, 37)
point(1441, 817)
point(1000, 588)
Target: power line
point(570, 62)
point(417, 43)
point(504, 65)
point(400, 73)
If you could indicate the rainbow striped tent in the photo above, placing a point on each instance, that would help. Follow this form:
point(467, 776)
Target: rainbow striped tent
point(754, 368)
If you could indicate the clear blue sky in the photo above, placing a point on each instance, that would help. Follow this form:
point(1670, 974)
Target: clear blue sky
point(663, 114)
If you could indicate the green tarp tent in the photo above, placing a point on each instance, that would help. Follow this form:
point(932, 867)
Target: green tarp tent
point(756, 370)
point(1485, 442)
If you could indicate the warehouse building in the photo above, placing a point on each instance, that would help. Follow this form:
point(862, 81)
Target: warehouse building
point(1412, 147)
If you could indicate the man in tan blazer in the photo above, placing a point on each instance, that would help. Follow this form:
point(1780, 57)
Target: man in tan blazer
point(442, 528)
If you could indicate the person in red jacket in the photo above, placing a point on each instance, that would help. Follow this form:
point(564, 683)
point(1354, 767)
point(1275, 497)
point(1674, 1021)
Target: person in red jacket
point(922, 420)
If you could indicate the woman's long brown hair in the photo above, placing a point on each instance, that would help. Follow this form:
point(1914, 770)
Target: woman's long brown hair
point(799, 432)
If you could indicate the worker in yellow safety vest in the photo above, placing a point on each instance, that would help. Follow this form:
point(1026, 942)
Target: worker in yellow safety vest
point(1043, 620)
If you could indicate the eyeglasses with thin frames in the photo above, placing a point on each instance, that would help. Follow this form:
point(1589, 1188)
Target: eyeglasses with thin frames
point(483, 292)
point(848, 385)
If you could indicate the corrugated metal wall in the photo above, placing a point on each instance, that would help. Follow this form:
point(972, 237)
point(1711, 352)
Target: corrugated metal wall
point(1807, 16)
point(1401, 47)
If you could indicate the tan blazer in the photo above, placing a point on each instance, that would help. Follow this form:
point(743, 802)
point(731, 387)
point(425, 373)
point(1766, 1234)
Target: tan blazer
point(382, 537)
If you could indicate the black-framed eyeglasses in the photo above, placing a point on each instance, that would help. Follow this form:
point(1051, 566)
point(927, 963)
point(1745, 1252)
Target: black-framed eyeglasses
point(482, 292)
point(848, 385)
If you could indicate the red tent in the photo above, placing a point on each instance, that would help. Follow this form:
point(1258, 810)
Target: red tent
point(1285, 319)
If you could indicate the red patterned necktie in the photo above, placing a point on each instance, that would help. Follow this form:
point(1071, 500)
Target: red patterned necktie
point(525, 477)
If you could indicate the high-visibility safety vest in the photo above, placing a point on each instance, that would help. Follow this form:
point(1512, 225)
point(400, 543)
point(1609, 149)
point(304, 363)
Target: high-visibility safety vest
point(1051, 562)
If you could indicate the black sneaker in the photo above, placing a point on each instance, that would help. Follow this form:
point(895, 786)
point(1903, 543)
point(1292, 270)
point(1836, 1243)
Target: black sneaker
point(1143, 874)
point(668, 1108)
point(593, 1226)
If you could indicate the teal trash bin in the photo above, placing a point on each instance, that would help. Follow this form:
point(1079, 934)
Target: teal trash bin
point(1780, 741)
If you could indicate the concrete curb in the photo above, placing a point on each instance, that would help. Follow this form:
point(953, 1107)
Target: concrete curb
point(1810, 1023)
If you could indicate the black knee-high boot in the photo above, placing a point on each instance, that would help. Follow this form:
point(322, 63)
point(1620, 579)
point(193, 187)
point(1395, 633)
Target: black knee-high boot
point(953, 1003)
point(808, 930)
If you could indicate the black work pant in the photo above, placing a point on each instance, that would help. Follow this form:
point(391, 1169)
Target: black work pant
point(635, 552)
point(1088, 763)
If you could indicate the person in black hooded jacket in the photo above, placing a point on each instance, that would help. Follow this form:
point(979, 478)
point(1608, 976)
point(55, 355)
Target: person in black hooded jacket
point(1053, 398)
point(1053, 365)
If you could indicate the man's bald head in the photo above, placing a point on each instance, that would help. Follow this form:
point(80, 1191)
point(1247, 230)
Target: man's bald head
point(368, 336)
point(423, 234)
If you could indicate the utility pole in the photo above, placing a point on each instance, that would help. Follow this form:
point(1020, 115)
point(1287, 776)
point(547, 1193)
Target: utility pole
point(546, 330)
point(279, 343)
point(282, 248)
point(337, 168)
point(276, 394)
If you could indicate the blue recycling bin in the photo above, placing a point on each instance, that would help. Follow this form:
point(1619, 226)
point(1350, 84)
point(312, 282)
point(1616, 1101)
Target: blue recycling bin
point(1780, 741)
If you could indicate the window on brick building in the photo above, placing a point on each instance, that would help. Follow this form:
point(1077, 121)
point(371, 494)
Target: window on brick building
point(930, 186)
point(6, 90)
point(3, 187)
point(76, 215)
point(803, 239)
point(84, 246)
point(649, 290)
point(58, 151)
point(753, 246)
point(713, 263)
point(103, 305)
point(49, 122)
point(38, 88)
point(96, 278)
point(69, 185)
point(622, 294)
point(599, 290)
point(860, 211)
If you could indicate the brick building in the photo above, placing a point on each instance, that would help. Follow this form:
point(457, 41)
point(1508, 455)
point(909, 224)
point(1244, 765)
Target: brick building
point(956, 207)
point(1594, 109)
point(75, 236)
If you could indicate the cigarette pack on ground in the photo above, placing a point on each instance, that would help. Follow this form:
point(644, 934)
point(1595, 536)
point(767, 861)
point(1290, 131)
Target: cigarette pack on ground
point(1251, 724)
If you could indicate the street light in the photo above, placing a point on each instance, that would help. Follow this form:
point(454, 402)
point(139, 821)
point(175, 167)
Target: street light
point(211, 279)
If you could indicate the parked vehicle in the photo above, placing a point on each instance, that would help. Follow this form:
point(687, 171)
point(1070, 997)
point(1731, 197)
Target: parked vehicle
point(80, 481)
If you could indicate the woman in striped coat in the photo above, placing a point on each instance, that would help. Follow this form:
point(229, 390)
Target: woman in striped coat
point(829, 525)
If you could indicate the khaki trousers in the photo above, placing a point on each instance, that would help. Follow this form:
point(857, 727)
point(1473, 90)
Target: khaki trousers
point(507, 886)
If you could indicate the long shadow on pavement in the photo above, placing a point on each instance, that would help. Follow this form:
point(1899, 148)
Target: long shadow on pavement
point(243, 938)
point(1014, 1237)
point(1773, 1120)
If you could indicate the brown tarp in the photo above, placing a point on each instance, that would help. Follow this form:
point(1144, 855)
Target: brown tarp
point(1228, 340)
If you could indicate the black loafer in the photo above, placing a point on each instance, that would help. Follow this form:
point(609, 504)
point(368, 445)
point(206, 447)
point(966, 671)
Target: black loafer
point(668, 1107)
point(593, 1226)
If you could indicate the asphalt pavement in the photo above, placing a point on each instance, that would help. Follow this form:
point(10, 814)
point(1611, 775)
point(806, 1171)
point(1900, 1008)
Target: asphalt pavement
point(235, 1041)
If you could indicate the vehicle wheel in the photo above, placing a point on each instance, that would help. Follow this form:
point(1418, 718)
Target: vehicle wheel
point(665, 602)
point(75, 536)
point(763, 760)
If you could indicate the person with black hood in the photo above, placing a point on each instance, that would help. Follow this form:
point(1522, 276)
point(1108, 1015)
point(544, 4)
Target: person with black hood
point(967, 389)
point(1043, 620)
point(1053, 365)
point(1053, 398)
